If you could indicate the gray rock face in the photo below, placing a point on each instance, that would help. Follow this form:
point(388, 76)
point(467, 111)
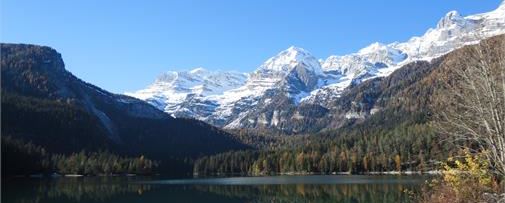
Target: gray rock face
point(269, 96)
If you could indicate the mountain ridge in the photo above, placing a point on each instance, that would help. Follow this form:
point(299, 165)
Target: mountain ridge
point(303, 80)
point(49, 106)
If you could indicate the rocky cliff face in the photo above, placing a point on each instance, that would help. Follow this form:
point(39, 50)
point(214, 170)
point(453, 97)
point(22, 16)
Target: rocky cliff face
point(268, 97)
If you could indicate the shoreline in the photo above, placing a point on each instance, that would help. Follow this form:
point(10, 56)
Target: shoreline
point(196, 175)
point(57, 175)
point(406, 173)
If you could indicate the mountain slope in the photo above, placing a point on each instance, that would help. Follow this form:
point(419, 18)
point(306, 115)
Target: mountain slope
point(378, 60)
point(293, 79)
point(392, 124)
point(332, 106)
point(407, 94)
point(44, 103)
point(173, 91)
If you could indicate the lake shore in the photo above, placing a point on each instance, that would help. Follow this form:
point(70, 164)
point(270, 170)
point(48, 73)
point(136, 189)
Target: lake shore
point(431, 172)
point(57, 175)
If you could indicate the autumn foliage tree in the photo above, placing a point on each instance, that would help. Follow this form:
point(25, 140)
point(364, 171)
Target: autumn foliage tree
point(471, 106)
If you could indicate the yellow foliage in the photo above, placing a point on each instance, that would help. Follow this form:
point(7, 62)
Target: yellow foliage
point(472, 170)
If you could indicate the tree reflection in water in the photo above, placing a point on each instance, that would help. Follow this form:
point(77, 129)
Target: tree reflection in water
point(137, 189)
point(96, 189)
point(313, 193)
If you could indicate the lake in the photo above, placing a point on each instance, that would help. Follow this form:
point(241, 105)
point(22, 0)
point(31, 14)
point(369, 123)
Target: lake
point(316, 188)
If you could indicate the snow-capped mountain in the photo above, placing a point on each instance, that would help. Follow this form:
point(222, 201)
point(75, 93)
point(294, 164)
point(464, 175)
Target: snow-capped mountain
point(171, 90)
point(296, 78)
point(294, 72)
point(275, 70)
point(378, 60)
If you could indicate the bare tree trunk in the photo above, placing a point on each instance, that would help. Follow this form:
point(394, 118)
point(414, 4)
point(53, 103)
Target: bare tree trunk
point(471, 107)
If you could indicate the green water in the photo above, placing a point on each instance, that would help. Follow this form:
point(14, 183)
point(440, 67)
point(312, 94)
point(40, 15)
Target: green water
point(222, 190)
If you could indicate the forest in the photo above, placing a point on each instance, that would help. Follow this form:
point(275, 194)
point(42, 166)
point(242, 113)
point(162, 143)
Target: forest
point(431, 117)
point(63, 124)
point(25, 158)
point(404, 147)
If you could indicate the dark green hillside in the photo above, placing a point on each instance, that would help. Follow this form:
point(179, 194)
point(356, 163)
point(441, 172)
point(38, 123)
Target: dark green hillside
point(46, 121)
point(48, 106)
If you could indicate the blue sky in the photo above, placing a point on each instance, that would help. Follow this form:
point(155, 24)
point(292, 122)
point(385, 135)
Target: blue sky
point(123, 45)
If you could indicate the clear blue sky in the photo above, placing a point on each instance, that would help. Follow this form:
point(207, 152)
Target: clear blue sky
point(123, 45)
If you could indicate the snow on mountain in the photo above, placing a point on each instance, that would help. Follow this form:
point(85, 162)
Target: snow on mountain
point(277, 72)
point(378, 60)
point(286, 60)
point(219, 97)
point(454, 31)
point(171, 89)
point(227, 99)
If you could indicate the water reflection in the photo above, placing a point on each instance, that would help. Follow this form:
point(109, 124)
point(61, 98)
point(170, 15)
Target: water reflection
point(313, 193)
point(96, 189)
point(121, 189)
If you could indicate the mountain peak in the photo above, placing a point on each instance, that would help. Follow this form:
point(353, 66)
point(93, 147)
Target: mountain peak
point(198, 70)
point(374, 47)
point(295, 49)
point(451, 18)
point(227, 99)
point(501, 7)
point(294, 53)
point(289, 58)
point(171, 76)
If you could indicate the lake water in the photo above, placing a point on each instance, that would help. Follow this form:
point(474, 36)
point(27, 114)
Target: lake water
point(352, 188)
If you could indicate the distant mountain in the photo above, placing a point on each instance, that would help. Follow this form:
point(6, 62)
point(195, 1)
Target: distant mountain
point(45, 104)
point(293, 89)
point(378, 60)
point(183, 94)
point(373, 123)
point(294, 70)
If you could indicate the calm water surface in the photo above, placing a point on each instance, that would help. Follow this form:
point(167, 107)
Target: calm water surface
point(222, 190)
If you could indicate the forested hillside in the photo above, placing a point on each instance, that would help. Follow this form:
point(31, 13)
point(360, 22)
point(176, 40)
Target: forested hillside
point(44, 104)
point(398, 135)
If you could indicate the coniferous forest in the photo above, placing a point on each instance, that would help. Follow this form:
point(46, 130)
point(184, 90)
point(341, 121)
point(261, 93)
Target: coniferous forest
point(405, 147)
point(65, 125)
point(26, 158)
point(407, 118)
point(64, 136)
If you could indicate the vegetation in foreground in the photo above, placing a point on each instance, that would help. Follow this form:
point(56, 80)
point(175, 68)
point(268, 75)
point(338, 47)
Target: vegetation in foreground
point(473, 111)
point(465, 179)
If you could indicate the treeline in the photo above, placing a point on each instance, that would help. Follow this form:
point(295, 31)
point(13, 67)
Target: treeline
point(234, 162)
point(267, 139)
point(24, 158)
point(412, 147)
